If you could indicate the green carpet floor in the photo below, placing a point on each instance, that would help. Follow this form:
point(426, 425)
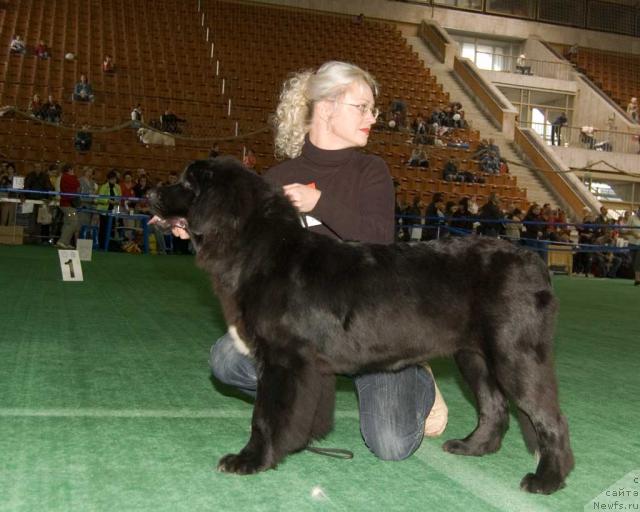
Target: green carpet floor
point(106, 404)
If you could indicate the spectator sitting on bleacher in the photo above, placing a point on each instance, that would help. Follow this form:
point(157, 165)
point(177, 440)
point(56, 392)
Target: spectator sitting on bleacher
point(169, 122)
point(458, 115)
point(398, 113)
point(17, 46)
point(108, 65)
point(558, 230)
point(83, 140)
point(419, 129)
point(437, 117)
point(41, 50)
point(632, 109)
point(83, 90)
point(36, 107)
point(52, 111)
point(136, 116)
point(418, 157)
point(490, 163)
point(504, 167)
point(450, 171)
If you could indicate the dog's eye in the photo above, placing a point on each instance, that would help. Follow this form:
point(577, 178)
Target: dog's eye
point(187, 185)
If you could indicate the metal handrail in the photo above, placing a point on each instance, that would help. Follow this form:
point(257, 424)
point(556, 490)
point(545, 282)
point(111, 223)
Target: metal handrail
point(535, 67)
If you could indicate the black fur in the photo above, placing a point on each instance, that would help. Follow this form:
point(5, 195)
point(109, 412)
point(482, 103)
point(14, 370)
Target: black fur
point(310, 307)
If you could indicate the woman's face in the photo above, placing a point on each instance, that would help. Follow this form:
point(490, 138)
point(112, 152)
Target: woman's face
point(347, 125)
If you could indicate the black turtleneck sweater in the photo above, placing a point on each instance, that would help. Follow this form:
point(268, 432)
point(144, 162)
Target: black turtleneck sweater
point(357, 201)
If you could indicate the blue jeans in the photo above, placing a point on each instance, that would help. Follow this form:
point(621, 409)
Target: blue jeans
point(393, 405)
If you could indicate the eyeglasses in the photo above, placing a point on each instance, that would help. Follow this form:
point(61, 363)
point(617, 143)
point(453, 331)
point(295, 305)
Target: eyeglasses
point(364, 108)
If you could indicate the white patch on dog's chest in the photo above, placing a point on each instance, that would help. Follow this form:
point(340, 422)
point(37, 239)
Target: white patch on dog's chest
point(241, 346)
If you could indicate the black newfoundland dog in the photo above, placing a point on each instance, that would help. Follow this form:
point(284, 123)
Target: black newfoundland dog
point(309, 307)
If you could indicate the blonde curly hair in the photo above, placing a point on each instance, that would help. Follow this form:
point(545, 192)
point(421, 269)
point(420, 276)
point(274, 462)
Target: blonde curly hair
point(299, 94)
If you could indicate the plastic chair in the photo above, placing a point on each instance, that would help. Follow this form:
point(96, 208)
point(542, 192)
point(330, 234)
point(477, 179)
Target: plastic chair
point(93, 231)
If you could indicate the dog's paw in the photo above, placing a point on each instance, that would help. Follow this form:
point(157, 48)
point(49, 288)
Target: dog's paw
point(470, 447)
point(539, 485)
point(241, 464)
point(457, 447)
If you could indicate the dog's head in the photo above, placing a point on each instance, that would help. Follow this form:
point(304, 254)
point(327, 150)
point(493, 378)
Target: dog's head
point(216, 198)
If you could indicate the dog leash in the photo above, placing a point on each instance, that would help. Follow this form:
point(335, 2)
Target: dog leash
point(336, 453)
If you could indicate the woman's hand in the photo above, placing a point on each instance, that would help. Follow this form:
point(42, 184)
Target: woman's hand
point(303, 197)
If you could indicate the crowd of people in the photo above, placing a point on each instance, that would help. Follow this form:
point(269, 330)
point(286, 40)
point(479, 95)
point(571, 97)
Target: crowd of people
point(60, 220)
point(539, 226)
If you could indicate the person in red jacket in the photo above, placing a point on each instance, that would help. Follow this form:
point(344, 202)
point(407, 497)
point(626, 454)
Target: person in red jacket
point(69, 184)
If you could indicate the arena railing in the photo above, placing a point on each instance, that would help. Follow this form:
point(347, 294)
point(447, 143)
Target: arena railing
point(534, 67)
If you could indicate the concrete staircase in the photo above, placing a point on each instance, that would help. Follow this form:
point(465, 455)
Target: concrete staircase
point(537, 190)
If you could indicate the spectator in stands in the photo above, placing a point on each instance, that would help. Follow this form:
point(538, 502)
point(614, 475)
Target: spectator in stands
point(69, 184)
point(559, 230)
point(582, 260)
point(7, 209)
point(418, 157)
point(587, 136)
point(336, 110)
point(534, 230)
point(556, 128)
point(462, 223)
point(450, 171)
point(602, 230)
point(127, 186)
point(17, 46)
point(412, 215)
point(88, 186)
point(83, 90)
point(169, 122)
point(108, 65)
point(490, 216)
point(632, 109)
point(127, 190)
point(39, 180)
point(41, 50)
point(142, 187)
point(36, 107)
point(108, 189)
point(136, 116)
point(572, 52)
point(419, 129)
point(397, 114)
point(214, 152)
point(632, 234)
point(249, 159)
point(513, 228)
point(434, 217)
point(83, 140)
point(504, 167)
point(52, 111)
point(521, 65)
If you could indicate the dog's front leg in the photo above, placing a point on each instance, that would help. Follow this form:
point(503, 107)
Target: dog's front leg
point(290, 388)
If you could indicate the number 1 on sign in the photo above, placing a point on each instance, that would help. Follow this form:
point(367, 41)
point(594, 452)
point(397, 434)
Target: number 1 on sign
point(70, 265)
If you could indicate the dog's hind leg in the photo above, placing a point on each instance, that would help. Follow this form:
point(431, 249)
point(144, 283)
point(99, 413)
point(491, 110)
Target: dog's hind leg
point(286, 414)
point(493, 416)
point(531, 383)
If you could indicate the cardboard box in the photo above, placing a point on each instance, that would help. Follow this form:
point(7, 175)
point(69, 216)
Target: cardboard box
point(11, 235)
